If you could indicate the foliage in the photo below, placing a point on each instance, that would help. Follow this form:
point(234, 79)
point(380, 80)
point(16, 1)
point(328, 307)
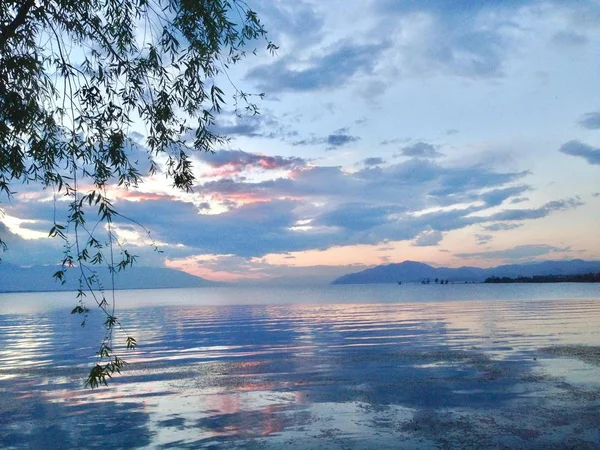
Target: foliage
point(580, 278)
point(76, 76)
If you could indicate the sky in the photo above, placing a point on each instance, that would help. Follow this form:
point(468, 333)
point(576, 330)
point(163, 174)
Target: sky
point(453, 133)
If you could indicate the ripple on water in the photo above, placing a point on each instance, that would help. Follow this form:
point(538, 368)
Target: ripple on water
point(460, 374)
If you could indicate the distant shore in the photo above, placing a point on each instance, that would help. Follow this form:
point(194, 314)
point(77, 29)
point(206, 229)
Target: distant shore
point(585, 278)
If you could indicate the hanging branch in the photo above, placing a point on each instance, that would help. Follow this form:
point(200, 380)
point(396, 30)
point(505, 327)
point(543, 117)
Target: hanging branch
point(74, 76)
point(10, 30)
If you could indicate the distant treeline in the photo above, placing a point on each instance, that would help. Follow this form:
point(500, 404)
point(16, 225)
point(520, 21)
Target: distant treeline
point(585, 278)
point(428, 281)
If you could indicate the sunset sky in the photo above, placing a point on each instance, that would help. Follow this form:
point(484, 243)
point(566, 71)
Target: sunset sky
point(449, 132)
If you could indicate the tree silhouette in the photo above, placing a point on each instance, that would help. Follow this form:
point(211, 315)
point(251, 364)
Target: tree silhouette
point(76, 76)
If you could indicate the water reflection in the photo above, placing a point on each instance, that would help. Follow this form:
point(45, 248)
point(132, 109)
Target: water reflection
point(467, 374)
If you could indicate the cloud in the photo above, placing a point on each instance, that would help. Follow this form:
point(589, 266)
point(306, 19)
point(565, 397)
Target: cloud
point(374, 161)
point(576, 148)
point(428, 238)
point(331, 69)
point(536, 213)
point(502, 226)
point(471, 39)
point(248, 126)
point(261, 125)
point(290, 24)
point(318, 207)
point(246, 230)
point(340, 139)
point(498, 196)
point(569, 39)
point(590, 120)
point(337, 139)
point(375, 203)
point(483, 238)
point(26, 252)
point(516, 253)
point(516, 200)
point(357, 216)
point(233, 162)
point(250, 271)
point(416, 184)
point(421, 150)
point(457, 8)
point(449, 39)
point(393, 141)
point(359, 207)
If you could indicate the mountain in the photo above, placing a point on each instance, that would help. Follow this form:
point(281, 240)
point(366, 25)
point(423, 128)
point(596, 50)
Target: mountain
point(39, 278)
point(572, 267)
point(411, 271)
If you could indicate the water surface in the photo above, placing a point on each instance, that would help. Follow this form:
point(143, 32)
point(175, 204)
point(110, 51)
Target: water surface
point(463, 366)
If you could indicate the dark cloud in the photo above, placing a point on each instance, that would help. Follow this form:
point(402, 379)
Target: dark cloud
point(376, 204)
point(421, 150)
point(415, 184)
point(498, 196)
point(569, 39)
point(516, 200)
point(30, 251)
point(310, 141)
point(443, 220)
point(370, 206)
point(329, 70)
point(337, 139)
point(293, 24)
point(41, 211)
point(471, 178)
point(576, 148)
point(502, 226)
point(248, 230)
point(393, 141)
point(459, 8)
point(264, 125)
point(374, 161)
point(516, 253)
point(536, 213)
point(590, 120)
point(239, 160)
point(483, 239)
point(357, 216)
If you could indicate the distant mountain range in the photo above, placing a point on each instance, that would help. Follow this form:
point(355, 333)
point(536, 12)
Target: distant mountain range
point(39, 278)
point(411, 271)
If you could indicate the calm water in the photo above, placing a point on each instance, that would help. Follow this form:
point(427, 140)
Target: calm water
point(458, 366)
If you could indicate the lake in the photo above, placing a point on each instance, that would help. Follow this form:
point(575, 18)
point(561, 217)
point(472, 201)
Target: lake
point(411, 366)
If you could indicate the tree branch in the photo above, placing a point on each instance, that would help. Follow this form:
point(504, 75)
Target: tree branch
point(9, 30)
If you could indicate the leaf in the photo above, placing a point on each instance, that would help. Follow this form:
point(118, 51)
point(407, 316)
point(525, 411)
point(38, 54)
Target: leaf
point(131, 343)
point(80, 74)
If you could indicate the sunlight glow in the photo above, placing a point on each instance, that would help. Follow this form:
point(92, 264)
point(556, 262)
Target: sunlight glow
point(14, 226)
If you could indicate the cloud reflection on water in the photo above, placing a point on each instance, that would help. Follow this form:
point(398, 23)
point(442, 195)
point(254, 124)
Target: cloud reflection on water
point(419, 374)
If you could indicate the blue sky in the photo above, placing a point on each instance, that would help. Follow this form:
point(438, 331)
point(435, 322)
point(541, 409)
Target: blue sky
point(453, 133)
